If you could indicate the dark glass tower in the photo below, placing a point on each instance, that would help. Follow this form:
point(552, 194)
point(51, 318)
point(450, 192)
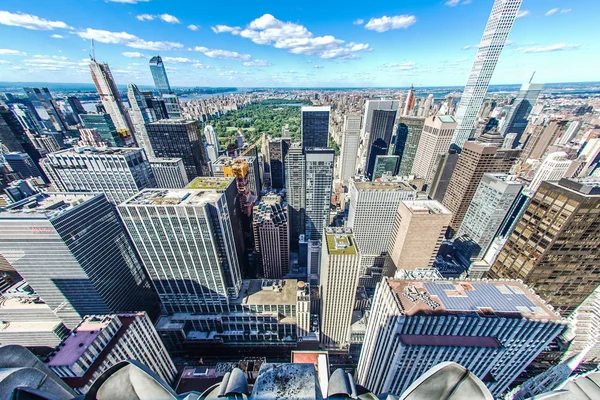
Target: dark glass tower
point(315, 126)
point(408, 135)
point(159, 75)
point(382, 128)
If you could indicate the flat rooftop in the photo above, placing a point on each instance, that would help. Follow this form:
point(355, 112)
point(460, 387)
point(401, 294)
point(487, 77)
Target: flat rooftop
point(486, 297)
point(446, 118)
point(173, 197)
point(175, 121)
point(340, 243)
point(28, 328)
point(164, 159)
point(108, 151)
point(316, 108)
point(45, 205)
point(73, 347)
point(222, 160)
point(384, 185)
point(425, 207)
point(267, 291)
point(203, 182)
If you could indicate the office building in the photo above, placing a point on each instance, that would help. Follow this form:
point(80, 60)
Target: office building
point(20, 189)
point(553, 247)
point(110, 97)
point(223, 162)
point(492, 328)
point(372, 210)
point(43, 98)
point(89, 138)
point(435, 140)
point(406, 142)
point(172, 105)
point(169, 173)
point(141, 115)
point(23, 165)
point(315, 126)
point(159, 75)
point(385, 166)
point(350, 143)
point(191, 251)
point(489, 207)
point(446, 163)
point(340, 265)
point(210, 136)
point(44, 143)
point(409, 105)
point(119, 173)
point(418, 232)
point(377, 131)
point(516, 119)
point(584, 330)
point(572, 131)
point(73, 251)
point(271, 228)
point(494, 38)
point(553, 168)
point(100, 342)
point(509, 141)
point(319, 181)
point(104, 126)
point(278, 149)
point(540, 137)
point(475, 160)
point(295, 183)
point(177, 138)
point(76, 106)
point(14, 137)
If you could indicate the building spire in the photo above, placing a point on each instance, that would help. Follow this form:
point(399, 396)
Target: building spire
point(532, 75)
point(93, 52)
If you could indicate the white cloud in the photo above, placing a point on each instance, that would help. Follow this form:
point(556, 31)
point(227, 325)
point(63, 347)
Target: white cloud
point(407, 66)
point(454, 3)
point(55, 36)
point(225, 54)
point(318, 67)
point(29, 21)
point(193, 27)
point(145, 17)
point(179, 60)
point(128, 1)
point(133, 54)
point(127, 39)
point(471, 46)
point(234, 30)
point(295, 38)
point(545, 49)
point(4, 62)
point(359, 21)
point(522, 13)
point(386, 23)
point(171, 19)
point(552, 11)
point(10, 52)
point(257, 63)
point(459, 60)
point(566, 10)
point(201, 66)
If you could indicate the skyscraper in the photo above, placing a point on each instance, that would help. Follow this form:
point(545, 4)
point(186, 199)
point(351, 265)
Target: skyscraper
point(315, 126)
point(141, 115)
point(211, 137)
point(272, 235)
point(73, 251)
point(541, 137)
point(340, 265)
point(475, 160)
point(105, 127)
point(44, 98)
point(119, 173)
point(159, 75)
point(169, 172)
point(110, 97)
point(23, 165)
point(554, 246)
point(13, 136)
point(516, 119)
point(435, 140)
point(278, 149)
point(494, 38)
point(377, 131)
point(385, 166)
point(185, 239)
point(572, 130)
point(491, 203)
point(410, 102)
point(446, 163)
point(178, 138)
point(418, 232)
point(295, 183)
point(319, 180)
point(554, 167)
point(492, 328)
point(350, 143)
point(406, 142)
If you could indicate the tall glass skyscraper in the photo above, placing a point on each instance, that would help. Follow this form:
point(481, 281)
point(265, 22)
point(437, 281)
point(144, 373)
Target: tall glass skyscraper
point(319, 179)
point(141, 115)
point(74, 252)
point(494, 38)
point(516, 120)
point(159, 75)
point(315, 126)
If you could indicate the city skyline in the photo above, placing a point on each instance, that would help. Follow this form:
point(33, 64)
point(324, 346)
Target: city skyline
point(285, 46)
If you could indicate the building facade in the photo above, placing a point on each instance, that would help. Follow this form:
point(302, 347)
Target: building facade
point(140, 115)
point(271, 227)
point(105, 127)
point(159, 75)
point(73, 251)
point(407, 139)
point(319, 181)
point(278, 149)
point(295, 183)
point(435, 140)
point(169, 172)
point(119, 173)
point(315, 126)
point(553, 168)
point(350, 143)
point(516, 119)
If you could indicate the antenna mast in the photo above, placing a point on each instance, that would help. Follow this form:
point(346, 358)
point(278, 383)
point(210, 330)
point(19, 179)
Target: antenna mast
point(93, 55)
point(532, 77)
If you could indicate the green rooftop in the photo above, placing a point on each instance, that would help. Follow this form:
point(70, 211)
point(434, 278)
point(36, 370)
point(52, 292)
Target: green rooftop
point(202, 182)
point(446, 118)
point(339, 244)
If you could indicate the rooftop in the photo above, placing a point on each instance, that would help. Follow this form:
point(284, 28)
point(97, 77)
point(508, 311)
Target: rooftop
point(316, 108)
point(340, 242)
point(224, 159)
point(589, 186)
point(446, 118)
point(425, 207)
point(164, 160)
point(384, 185)
point(203, 182)
point(45, 205)
point(267, 291)
point(108, 151)
point(483, 297)
point(174, 121)
point(173, 197)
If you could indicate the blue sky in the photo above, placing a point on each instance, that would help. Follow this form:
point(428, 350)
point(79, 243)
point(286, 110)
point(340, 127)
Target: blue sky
point(285, 43)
